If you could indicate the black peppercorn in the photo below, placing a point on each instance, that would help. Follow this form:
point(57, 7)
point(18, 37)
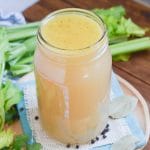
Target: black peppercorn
point(104, 131)
point(104, 136)
point(68, 145)
point(92, 141)
point(36, 117)
point(97, 138)
point(107, 126)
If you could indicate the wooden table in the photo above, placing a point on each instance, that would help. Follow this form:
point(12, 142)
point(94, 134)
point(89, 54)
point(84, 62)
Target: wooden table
point(137, 70)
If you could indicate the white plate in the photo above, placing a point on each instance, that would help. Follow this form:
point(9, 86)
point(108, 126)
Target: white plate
point(141, 112)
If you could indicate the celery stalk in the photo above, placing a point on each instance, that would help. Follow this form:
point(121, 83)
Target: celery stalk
point(23, 27)
point(21, 69)
point(22, 34)
point(4, 46)
point(25, 47)
point(130, 46)
point(16, 52)
point(27, 60)
point(30, 43)
point(2, 66)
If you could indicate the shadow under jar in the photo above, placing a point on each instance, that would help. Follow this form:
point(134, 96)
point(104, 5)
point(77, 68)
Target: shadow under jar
point(73, 73)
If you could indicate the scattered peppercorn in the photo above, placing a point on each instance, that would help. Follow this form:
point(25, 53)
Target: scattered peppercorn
point(104, 136)
point(68, 145)
point(104, 131)
point(111, 117)
point(97, 138)
point(36, 117)
point(107, 126)
point(92, 141)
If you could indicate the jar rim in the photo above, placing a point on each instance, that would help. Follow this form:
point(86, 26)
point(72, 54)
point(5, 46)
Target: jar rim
point(87, 13)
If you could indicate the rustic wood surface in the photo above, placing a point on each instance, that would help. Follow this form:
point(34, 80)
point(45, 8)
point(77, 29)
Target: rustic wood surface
point(137, 70)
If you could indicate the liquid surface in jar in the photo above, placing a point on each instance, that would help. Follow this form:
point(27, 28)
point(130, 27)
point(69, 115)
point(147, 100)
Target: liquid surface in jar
point(71, 31)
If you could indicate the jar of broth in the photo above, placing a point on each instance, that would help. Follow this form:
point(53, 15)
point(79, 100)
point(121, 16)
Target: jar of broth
point(73, 73)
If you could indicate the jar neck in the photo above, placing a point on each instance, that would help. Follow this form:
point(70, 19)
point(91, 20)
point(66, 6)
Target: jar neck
point(76, 56)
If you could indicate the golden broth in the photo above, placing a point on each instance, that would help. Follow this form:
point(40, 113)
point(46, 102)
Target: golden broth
point(73, 90)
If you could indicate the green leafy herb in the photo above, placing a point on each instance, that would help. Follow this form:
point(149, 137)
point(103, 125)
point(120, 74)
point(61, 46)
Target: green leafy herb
point(6, 138)
point(2, 117)
point(11, 115)
point(117, 25)
point(20, 141)
point(11, 94)
point(34, 146)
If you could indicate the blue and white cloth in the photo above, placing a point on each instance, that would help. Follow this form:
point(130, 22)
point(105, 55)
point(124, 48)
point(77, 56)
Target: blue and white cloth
point(11, 19)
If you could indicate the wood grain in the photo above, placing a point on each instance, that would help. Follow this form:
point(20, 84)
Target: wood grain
point(89, 4)
point(54, 4)
point(137, 70)
point(138, 66)
point(16, 127)
point(35, 13)
point(140, 85)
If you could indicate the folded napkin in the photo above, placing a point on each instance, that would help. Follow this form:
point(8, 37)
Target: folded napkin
point(11, 19)
point(15, 5)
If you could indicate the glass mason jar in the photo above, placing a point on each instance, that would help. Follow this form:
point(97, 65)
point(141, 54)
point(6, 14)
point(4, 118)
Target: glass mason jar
point(73, 86)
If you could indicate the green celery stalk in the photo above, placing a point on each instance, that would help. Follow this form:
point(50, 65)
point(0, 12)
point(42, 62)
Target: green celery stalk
point(4, 46)
point(122, 57)
point(2, 66)
point(131, 41)
point(23, 27)
point(118, 39)
point(130, 46)
point(26, 60)
point(22, 34)
point(20, 69)
point(17, 53)
point(30, 43)
point(22, 63)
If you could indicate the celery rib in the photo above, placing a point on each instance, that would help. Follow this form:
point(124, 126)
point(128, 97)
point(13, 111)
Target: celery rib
point(130, 46)
point(22, 34)
point(23, 27)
